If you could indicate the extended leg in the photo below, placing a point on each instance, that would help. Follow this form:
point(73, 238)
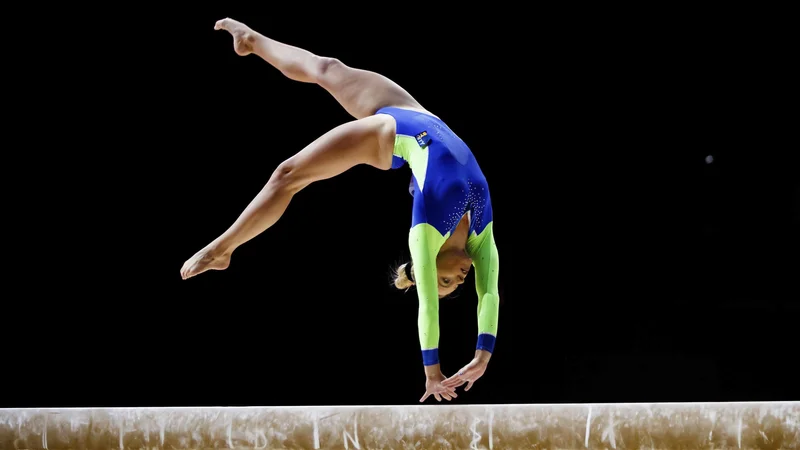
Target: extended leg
point(365, 141)
point(360, 92)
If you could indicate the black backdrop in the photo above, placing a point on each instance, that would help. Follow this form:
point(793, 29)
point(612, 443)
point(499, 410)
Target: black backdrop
point(631, 269)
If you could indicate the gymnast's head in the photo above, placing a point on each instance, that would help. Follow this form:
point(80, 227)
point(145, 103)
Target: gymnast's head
point(452, 268)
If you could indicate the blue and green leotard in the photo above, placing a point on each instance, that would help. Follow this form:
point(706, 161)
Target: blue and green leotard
point(447, 183)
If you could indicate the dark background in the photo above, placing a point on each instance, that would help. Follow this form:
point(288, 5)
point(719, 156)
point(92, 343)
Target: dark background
point(632, 269)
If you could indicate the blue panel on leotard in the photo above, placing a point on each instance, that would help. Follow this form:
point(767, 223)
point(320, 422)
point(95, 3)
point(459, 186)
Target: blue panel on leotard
point(397, 162)
point(454, 183)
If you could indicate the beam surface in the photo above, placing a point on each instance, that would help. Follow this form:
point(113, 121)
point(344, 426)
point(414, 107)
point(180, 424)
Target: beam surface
point(774, 425)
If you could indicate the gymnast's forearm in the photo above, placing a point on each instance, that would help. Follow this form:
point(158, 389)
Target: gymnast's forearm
point(487, 269)
point(424, 241)
point(295, 63)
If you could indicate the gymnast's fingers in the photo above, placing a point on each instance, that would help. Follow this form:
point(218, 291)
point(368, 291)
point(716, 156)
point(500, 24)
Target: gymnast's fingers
point(457, 379)
point(453, 381)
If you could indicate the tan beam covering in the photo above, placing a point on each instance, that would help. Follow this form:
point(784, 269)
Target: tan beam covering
point(599, 426)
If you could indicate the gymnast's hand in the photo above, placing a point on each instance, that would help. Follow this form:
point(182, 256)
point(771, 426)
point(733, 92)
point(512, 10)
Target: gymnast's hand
point(433, 385)
point(471, 372)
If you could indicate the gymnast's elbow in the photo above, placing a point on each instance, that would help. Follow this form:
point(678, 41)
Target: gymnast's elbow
point(428, 312)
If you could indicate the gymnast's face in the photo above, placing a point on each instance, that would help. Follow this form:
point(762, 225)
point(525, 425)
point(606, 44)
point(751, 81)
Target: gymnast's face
point(452, 267)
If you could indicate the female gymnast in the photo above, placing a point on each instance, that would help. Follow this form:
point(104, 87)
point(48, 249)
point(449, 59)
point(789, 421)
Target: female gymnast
point(451, 225)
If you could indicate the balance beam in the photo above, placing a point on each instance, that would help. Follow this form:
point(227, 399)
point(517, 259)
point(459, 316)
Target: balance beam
point(772, 425)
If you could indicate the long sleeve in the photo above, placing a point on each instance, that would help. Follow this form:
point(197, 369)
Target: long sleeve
point(424, 242)
point(483, 251)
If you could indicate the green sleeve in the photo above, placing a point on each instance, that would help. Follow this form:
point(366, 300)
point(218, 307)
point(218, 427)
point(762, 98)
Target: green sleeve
point(424, 242)
point(483, 251)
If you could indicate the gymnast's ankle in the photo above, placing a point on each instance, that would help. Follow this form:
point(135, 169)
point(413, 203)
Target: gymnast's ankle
point(220, 248)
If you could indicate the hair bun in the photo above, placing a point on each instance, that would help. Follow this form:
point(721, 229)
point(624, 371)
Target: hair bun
point(401, 280)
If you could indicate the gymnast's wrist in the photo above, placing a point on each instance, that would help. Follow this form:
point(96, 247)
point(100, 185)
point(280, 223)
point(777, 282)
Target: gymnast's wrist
point(483, 355)
point(433, 371)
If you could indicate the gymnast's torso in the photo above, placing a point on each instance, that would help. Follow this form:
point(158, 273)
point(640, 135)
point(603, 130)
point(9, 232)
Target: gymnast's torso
point(447, 181)
point(447, 184)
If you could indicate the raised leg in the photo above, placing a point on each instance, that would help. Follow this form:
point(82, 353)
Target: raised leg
point(365, 141)
point(360, 92)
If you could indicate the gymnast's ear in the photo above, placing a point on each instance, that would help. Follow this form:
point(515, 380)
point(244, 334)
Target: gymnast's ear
point(401, 278)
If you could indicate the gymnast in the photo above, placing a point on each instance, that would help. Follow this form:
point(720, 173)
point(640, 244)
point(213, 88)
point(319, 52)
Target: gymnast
point(451, 220)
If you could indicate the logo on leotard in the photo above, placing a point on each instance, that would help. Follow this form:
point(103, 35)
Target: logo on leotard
point(423, 139)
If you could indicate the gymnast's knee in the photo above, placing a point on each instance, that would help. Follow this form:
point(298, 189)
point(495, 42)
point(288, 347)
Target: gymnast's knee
point(286, 178)
point(328, 70)
point(385, 133)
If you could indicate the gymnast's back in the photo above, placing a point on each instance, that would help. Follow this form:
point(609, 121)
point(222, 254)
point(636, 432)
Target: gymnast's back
point(447, 180)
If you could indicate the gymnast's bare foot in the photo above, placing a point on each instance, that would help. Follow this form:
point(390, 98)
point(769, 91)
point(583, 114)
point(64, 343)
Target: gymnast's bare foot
point(206, 259)
point(243, 36)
